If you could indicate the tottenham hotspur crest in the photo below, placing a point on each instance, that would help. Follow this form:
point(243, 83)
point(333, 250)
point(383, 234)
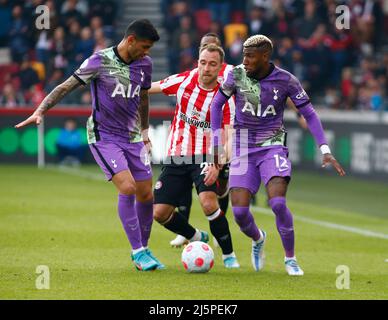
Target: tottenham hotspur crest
point(275, 91)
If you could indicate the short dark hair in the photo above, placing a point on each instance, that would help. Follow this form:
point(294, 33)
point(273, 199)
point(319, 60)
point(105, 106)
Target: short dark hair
point(212, 35)
point(143, 30)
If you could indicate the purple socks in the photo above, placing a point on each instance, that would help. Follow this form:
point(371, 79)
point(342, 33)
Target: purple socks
point(284, 224)
point(145, 214)
point(244, 219)
point(129, 219)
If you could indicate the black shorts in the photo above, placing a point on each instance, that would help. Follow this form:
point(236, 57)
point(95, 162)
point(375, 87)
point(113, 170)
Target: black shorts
point(175, 181)
point(224, 173)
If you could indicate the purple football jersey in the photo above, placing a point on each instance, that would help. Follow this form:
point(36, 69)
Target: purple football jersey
point(115, 87)
point(260, 103)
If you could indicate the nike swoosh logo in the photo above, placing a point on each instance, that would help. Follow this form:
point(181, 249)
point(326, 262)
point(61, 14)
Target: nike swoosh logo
point(113, 72)
point(244, 90)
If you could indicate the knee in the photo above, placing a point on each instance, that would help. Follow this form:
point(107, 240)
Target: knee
point(278, 205)
point(127, 188)
point(209, 205)
point(240, 214)
point(208, 202)
point(240, 197)
point(146, 196)
point(161, 215)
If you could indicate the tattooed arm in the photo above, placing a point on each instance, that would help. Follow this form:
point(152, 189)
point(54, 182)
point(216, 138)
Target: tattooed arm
point(51, 100)
point(144, 117)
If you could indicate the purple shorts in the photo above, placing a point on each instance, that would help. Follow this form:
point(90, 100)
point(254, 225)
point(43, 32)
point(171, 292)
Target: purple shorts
point(114, 157)
point(260, 164)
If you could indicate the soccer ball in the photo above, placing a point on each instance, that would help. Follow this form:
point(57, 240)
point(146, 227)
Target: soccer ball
point(197, 257)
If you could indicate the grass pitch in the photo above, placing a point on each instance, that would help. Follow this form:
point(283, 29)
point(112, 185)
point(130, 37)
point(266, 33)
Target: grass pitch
point(68, 221)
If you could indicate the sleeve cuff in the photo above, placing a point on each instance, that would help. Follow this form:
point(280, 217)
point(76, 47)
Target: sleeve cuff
point(223, 93)
point(79, 79)
point(303, 104)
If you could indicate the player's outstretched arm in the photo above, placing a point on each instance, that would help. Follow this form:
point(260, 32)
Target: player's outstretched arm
point(315, 126)
point(50, 101)
point(301, 120)
point(328, 159)
point(145, 118)
point(155, 88)
point(216, 116)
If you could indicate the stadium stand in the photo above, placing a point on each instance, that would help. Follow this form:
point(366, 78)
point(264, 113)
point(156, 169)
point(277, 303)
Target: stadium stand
point(34, 61)
point(341, 69)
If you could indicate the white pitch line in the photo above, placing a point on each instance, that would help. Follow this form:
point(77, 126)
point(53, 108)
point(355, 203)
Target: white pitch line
point(77, 172)
point(330, 225)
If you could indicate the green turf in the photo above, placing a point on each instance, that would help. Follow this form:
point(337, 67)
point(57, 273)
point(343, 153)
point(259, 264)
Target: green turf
point(70, 224)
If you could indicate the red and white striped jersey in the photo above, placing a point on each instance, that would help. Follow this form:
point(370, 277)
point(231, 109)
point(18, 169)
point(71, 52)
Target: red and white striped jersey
point(190, 132)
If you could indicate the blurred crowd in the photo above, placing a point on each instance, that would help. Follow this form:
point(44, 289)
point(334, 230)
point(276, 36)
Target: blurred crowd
point(34, 61)
point(340, 68)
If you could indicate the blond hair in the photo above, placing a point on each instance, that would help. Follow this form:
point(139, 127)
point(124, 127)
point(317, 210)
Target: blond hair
point(259, 41)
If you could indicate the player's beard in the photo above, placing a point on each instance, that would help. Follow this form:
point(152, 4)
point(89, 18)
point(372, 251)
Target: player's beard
point(253, 73)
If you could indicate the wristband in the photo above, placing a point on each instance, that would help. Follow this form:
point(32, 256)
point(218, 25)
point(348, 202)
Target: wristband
point(325, 149)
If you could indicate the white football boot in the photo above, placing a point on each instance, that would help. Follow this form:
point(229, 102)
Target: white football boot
point(179, 241)
point(292, 267)
point(258, 256)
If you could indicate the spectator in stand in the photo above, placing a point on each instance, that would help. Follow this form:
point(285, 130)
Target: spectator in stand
point(298, 68)
point(97, 23)
point(100, 42)
point(43, 46)
point(187, 53)
point(85, 46)
point(220, 10)
point(257, 23)
point(348, 89)
point(280, 26)
point(363, 99)
point(27, 75)
point(234, 51)
point(36, 94)
point(70, 12)
point(86, 98)
point(186, 26)
point(339, 41)
point(332, 98)
point(18, 39)
point(10, 98)
point(70, 145)
point(305, 27)
point(58, 50)
point(284, 52)
point(216, 28)
point(176, 11)
point(106, 9)
point(171, 22)
point(71, 40)
point(54, 80)
point(376, 96)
